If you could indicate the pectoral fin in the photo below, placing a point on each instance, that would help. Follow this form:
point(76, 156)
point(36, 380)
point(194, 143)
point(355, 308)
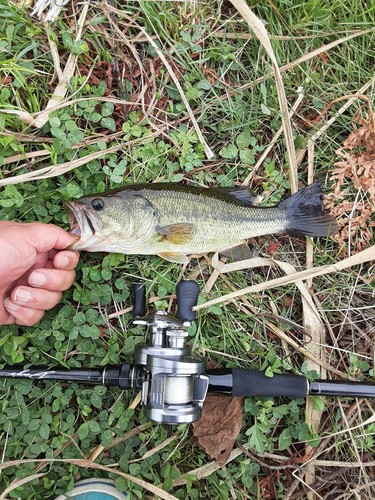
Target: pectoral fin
point(239, 252)
point(178, 234)
point(174, 257)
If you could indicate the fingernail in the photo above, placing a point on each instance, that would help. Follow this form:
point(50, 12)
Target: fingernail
point(37, 279)
point(9, 305)
point(63, 261)
point(22, 295)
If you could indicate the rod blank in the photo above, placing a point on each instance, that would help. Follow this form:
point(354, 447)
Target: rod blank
point(231, 381)
point(338, 388)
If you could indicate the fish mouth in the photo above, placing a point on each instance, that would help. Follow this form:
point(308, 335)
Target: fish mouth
point(83, 225)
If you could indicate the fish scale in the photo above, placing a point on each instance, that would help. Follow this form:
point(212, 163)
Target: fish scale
point(217, 223)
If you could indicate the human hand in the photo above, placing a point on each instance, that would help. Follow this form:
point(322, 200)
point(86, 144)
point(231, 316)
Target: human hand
point(34, 270)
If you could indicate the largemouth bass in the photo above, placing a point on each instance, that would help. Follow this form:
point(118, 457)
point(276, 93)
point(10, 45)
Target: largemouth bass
point(174, 220)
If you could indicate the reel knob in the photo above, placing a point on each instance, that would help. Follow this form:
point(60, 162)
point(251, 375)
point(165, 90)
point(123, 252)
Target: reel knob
point(139, 307)
point(187, 292)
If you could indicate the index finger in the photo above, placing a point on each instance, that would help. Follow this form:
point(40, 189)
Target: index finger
point(66, 259)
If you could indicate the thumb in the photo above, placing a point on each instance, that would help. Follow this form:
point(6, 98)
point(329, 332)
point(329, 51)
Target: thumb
point(45, 237)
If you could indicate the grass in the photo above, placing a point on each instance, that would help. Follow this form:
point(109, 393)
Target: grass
point(216, 65)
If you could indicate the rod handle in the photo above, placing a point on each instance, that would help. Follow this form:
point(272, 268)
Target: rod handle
point(139, 305)
point(249, 383)
point(187, 292)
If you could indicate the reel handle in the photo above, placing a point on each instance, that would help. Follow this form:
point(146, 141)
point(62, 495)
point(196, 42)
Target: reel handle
point(187, 292)
point(139, 306)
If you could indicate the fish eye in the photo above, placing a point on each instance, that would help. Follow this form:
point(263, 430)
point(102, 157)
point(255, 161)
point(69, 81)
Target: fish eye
point(97, 204)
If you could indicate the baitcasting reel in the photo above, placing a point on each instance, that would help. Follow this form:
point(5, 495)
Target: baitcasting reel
point(174, 383)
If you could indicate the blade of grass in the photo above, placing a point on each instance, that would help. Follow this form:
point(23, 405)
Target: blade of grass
point(342, 110)
point(261, 33)
point(207, 149)
point(61, 168)
point(64, 76)
point(309, 56)
point(248, 36)
point(274, 140)
point(285, 337)
point(316, 332)
point(99, 449)
point(20, 482)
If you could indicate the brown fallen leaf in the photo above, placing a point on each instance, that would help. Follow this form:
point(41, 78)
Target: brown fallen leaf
point(355, 171)
point(218, 428)
point(273, 247)
point(324, 57)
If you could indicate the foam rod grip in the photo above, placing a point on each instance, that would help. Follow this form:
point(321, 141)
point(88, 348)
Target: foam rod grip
point(139, 307)
point(249, 383)
point(187, 292)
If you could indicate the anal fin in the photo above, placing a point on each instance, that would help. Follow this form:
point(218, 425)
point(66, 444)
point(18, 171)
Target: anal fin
point(237, 253)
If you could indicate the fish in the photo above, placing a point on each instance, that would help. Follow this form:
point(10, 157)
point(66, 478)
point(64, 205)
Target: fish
point(177, 220)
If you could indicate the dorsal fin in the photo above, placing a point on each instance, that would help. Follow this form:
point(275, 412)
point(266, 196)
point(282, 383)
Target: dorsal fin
point(241, 195)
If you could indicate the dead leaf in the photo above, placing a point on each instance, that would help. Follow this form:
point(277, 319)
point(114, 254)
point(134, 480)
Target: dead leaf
point(324, 57)
point(218, 428)
point(288, 301)
point(273, 247)
point(356, 169)
point(6, 80)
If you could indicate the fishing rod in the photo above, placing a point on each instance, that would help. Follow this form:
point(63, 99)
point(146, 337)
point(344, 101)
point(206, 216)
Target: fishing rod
point(173, 381)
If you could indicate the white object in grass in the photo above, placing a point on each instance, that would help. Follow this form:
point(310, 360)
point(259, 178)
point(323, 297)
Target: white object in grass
point(54, 6)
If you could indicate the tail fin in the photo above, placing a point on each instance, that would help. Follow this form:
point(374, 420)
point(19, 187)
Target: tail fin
point(305, 213)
